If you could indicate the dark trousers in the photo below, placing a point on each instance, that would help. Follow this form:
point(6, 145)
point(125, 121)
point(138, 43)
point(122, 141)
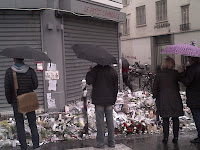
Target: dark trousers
point(175, 127)
point(126, 81)
point(196, 117)
point(19, 118)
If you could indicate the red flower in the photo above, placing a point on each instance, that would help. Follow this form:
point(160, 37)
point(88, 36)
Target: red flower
point(129, 130)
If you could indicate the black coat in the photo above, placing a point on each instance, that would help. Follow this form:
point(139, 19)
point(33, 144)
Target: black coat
point(166, 92)
point(104, 80)
point(192, 82)
point(27, 82)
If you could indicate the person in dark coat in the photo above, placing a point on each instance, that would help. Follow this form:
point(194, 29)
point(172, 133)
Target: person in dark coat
point(27, 82)
point(104, 81)
point(168, 99)
point(191, 79)
point(125, 75)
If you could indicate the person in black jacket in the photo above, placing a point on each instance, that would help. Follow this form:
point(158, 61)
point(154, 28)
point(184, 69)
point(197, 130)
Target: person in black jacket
point(104, 80)
point(168, 99)
point(191, 80)
point(27, 82)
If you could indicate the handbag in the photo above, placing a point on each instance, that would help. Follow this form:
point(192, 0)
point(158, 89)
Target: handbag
point(26, 102)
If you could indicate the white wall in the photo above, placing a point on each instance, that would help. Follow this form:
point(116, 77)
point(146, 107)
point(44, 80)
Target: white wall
point(187, 37)
point(117, 4)
point(137, 50)
point(173, 15)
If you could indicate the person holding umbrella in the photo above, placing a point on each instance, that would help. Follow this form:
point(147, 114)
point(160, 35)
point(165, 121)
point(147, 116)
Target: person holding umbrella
point(104, 80)
point(191, 79)
point(27, 82)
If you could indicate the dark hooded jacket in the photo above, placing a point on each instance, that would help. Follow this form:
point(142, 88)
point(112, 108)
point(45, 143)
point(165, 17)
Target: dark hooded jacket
point(166, 92)
point(26, 78)
point(192, 82)
point(104, 80)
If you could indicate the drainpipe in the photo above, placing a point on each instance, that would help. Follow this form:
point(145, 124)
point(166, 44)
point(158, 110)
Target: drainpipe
point(120, 61)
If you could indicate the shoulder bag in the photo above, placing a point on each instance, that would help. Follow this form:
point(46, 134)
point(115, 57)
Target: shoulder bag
point(26, 102)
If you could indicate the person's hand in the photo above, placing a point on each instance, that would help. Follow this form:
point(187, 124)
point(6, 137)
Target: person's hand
point(181, 69)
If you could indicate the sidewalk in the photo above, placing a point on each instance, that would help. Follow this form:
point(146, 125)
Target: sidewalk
point(130, 142)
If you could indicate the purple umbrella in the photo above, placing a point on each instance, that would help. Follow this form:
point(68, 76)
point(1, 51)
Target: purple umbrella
point(182, 49)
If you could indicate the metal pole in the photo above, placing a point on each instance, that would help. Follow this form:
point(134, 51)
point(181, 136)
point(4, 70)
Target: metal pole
point(84, 99)
point(120, 61)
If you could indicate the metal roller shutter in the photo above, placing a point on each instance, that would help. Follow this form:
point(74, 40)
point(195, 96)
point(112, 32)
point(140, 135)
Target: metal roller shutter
point(18, 28)
point(85, 30)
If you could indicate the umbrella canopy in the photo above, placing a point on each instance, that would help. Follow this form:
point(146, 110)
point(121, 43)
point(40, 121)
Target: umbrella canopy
point(25, 52)
point(182, 49)
point(125, 63)
point(94, 53)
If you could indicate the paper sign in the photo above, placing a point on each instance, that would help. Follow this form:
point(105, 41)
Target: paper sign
point(51, 67)
point(48, 95)
point(51, 103)
point(51, 75)
point(52, 85)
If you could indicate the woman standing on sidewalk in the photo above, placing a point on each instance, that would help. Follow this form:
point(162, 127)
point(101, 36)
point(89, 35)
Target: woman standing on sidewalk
point(168, 99)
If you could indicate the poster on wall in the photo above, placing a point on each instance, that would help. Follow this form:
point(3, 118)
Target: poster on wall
point(51, 75)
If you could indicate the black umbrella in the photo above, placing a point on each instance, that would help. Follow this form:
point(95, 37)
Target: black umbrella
point(25, 52)
point(125, 63)
point(94, 53)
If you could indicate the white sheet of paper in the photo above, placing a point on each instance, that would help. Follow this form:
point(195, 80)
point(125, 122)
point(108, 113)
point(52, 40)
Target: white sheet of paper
point(51, 103)
point(52, 85)
point(48, 95)
point(51, 67)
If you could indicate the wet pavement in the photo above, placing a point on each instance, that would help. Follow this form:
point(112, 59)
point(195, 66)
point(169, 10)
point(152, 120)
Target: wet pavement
point(129, 142)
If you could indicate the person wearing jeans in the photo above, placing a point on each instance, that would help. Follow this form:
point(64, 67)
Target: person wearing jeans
point(19, 118)
point(104, 81)
point(99, 112)
point(27, 82)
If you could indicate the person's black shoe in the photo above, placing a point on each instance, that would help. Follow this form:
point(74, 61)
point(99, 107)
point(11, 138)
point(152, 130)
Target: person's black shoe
point(196, 140)
point(112, 146)
point(165, 140)
point(175, 140)
point(100, 147)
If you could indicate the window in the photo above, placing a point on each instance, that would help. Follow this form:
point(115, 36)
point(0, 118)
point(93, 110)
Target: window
point(140, 15)
point(126, 2)
point(185, 14)
point(126, 26)
point(161, 10)
point(185, 18)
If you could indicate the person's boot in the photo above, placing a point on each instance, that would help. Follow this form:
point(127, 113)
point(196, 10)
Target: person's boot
point(165, 140)
point(175, 140)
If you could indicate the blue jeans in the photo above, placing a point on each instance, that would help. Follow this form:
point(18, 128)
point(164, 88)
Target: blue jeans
point(19, 118)
point(196, 117)
point(108, 111)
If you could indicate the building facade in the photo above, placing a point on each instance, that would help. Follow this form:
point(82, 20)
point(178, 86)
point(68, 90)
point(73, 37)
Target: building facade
point(152, 25)
point(53, 27)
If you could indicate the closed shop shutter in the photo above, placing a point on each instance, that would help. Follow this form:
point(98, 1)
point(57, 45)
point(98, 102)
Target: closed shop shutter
point(85, 30)
point(19, 28)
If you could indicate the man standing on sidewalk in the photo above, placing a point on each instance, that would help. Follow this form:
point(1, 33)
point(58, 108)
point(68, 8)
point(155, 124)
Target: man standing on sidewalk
point(104, 80)
point(27, 82)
